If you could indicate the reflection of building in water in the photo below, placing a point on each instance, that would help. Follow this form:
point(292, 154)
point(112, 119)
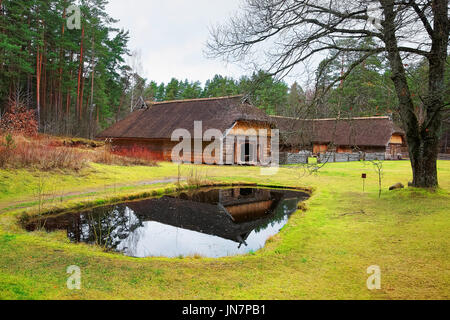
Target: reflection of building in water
point(248, 204)
point(229, 213)
point(240, 204)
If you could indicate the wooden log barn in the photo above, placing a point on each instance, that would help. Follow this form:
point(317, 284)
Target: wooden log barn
point(152, 127)
point(365, 134)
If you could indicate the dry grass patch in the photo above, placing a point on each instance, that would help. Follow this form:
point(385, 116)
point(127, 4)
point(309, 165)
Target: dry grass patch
point(49, 153)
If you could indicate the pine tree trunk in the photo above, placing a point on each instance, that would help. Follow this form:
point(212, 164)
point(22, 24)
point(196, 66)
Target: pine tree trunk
point(91, 105)
point(122, 98)
point(38, 85)
point(80, 75)
point(44, 82)
point(60, 98)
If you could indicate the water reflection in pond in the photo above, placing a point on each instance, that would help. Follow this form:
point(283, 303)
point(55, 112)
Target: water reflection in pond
point(206, 222)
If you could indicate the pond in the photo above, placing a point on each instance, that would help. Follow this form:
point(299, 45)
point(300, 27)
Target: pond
point(212, 222)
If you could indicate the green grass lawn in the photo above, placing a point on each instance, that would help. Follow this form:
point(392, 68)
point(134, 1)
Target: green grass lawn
point(323, 253)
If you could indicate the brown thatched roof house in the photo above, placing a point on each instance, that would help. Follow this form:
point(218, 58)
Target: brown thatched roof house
point(370, 134)
point(152, 127)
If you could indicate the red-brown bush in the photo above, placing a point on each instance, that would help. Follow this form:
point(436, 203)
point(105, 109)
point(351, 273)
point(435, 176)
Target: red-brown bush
point(48, 153)
point(19, 120)
point(125, 157)
point(39, 154)
point(137, 152)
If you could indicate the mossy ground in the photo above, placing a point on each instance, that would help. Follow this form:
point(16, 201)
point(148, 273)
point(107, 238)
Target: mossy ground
point(323, 253)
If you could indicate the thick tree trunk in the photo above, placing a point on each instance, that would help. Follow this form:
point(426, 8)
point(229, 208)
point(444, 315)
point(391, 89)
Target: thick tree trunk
point(422, 136)
point(424, 156)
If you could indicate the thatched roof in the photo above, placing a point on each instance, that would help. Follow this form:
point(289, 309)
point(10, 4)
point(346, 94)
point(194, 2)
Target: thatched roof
point(370, 131)
point(161, 119)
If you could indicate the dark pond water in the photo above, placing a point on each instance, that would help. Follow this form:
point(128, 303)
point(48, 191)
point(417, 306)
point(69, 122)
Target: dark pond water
point(206, 222)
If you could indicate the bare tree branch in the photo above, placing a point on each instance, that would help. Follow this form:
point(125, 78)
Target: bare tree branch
point(284, 33)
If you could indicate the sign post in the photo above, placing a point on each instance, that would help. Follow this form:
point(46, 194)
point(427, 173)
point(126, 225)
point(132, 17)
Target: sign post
point(364, 177)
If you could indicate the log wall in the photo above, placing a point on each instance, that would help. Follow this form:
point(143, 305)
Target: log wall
point(232, 147)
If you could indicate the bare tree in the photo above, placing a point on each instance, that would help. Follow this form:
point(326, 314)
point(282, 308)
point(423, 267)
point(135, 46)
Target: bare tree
point(135, 61)
point(291, 32)
point(378, 167)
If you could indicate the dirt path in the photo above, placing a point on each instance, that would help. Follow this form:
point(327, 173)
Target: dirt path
point(17, 204)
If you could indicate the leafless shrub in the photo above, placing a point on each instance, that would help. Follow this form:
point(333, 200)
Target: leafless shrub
point(378, 166)
point(196, 177)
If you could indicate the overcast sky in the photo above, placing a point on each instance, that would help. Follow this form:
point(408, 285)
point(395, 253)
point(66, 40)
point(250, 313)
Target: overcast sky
point(171, 36)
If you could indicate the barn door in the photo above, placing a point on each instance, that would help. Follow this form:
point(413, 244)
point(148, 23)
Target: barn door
point(247, 152)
